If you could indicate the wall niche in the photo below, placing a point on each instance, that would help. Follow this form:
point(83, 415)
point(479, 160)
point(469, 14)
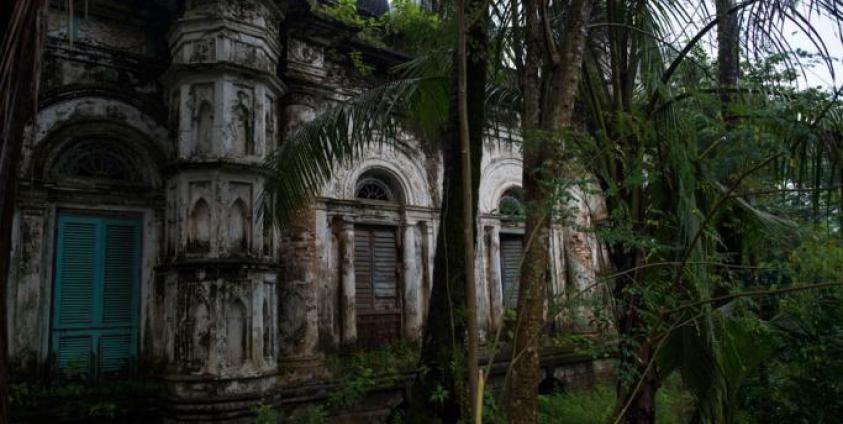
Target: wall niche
point(202, 96)
point(237, 225)
point(199, 228)
point(236, 332)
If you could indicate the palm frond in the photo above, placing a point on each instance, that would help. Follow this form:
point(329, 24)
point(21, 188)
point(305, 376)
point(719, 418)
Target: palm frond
point(306, 160)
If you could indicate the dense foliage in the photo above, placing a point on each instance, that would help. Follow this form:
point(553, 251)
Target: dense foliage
point(708, 185)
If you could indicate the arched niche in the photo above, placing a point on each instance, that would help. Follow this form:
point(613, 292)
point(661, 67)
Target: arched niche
point(236, 332)
point(200, 332)
point(237, 226)
point(268, 232)
point(204, 128)
point(268, 340)
point(199, 228)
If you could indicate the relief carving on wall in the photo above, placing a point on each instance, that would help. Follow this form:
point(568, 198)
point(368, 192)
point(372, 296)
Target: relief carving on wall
point(202, 51)
point(270, 121)
point(306, 58)
point(249, 55)
point(243, 124)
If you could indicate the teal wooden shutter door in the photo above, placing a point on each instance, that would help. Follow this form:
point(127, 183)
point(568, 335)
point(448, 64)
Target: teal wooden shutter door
point(120, 281)
point(95, 307)
point(75, 286)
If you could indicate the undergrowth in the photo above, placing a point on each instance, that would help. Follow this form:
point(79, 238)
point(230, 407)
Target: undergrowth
point(674, 405)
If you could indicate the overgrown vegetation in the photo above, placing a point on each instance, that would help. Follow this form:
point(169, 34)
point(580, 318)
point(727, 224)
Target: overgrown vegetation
point(355, 373)
point(594, 406)
point(406, 26)
point(83, 401)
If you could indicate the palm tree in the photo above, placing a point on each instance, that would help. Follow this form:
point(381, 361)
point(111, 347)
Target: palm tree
point(659, 158)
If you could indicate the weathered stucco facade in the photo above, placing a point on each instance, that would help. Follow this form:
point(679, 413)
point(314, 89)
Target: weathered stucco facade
point(158, 114)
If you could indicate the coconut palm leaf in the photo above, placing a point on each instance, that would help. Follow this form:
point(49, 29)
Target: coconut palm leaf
point(306, 160)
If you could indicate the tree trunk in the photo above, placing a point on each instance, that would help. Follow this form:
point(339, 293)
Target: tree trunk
point(728, 53)
point(468, 216)
point(439, 395)
point(550, 88)
point(23, 41)
point(636, 402)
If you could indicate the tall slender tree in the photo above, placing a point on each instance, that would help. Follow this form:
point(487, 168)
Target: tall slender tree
point(551, 72)
point(24, 24)
point(444, 348)
point(468, 208)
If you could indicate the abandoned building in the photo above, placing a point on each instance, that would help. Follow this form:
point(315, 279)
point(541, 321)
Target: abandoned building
point(140, 242)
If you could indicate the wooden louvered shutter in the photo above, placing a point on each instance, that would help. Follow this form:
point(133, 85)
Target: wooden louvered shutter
point(377, 299)
point(363, 296)
point(385, 260)
point(97, 280)
point(76, 267)
point(511, 250)
point(119, 288)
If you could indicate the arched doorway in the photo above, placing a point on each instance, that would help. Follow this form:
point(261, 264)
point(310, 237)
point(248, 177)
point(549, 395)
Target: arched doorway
point(511, 212)
point(377, 264)
point(97, 253)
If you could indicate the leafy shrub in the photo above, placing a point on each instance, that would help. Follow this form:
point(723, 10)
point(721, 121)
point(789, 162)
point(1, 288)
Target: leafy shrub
point(803, 380)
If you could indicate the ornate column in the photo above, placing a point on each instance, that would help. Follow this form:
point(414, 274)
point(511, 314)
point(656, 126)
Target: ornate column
point(220, 271)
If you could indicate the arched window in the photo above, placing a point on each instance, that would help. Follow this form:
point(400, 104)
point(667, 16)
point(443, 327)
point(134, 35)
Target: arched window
point(511, 204)
point(377, 184)
point(374, 189)
point(99, 159)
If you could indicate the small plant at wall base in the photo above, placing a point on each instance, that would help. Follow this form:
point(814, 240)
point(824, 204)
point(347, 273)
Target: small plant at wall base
point(77, 400)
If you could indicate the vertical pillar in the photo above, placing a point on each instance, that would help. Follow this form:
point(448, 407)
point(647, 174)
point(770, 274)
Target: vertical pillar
point(495, 277)
point(412, 285)
point(349, 312)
